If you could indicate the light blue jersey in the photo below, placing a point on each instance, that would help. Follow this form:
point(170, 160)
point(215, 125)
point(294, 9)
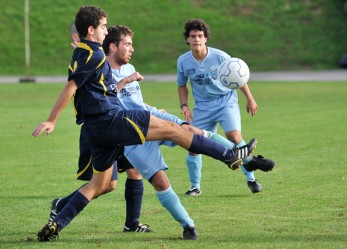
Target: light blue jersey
point(146, 158)
point(130, 95)
point(214, 103)
point(202, 75)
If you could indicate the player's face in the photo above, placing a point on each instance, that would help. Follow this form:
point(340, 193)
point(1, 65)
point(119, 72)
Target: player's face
point(197, 40)
point(100, 32)
point(124, 50)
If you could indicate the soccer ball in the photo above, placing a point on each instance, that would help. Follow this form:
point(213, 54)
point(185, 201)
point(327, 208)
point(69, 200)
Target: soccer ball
point(233, 73)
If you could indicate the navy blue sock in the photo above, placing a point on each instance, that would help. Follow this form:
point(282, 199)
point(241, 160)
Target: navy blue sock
point(133, 196)
point(206, 146)
point(63, 201)
point(76, 204)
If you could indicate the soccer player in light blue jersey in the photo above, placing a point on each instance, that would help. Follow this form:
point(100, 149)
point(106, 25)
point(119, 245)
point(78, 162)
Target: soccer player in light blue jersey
point(214, 103)
point(110, 127)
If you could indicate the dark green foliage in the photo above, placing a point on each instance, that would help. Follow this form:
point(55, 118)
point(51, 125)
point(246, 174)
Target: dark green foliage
point(269, 35)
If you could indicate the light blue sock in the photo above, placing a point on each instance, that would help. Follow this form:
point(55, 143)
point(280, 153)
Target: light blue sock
point(220, 139)
point(169, 200)
point(249, 174)
point(194, 164)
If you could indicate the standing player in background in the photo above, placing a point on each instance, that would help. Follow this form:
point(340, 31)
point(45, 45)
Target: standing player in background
point(134, 188)
point(214, 103)
point(109, 127)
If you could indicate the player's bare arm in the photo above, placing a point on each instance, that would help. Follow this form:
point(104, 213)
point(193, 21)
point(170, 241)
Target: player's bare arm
point(183, 96)
point(48, 126)
point(251, 105)
point(132, 77)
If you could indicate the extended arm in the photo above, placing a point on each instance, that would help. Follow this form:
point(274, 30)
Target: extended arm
point(251, 105)
point(132, 77)
point(62, 100)
point(183, 96)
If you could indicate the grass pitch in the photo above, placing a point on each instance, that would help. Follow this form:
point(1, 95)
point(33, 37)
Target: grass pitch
point(302, 126)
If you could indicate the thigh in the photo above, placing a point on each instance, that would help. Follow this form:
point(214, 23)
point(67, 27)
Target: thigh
point(147, 159)
point(204, 116)
point(229, 116)
point(123, 164)
point(166, 116)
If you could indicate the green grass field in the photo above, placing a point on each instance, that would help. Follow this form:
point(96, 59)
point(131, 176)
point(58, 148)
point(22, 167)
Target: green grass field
point(303, 204)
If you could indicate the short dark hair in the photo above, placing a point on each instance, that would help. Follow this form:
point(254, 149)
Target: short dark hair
point(88, 16)
point(196, 24)
point(115, 35)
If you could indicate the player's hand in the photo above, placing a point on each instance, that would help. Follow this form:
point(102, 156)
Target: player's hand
point(162, 110)
point(135, 77)
point(45, 127)
point(252, 107)
point(187, 113)
point(74, 44)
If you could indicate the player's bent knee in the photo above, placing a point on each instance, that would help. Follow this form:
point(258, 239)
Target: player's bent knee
point(160, 181)
point(112, 186)
point(192, 129)
point(133, 174)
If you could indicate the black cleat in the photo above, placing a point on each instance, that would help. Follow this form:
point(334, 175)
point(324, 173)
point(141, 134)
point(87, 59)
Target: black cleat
point(260, 162)
point(193, 192)
point(138, 228)
point(190, 233)
point(254, 186)
point(54, 210)
point(49, 232)
point(240, 153)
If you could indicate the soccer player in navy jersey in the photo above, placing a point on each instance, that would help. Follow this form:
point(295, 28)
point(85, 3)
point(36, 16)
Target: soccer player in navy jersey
point(134, 188)
point(214, 103)
point(109, 127)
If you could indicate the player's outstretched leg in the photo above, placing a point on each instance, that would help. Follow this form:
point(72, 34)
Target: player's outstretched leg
point(239, 153)
point(49, 232)
point(261, 163)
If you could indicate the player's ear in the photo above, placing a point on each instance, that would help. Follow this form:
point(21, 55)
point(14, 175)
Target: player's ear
point(90, 30)
point(112, 46)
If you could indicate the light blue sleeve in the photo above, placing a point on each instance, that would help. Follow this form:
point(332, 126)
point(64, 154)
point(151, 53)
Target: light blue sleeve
point(182, 79)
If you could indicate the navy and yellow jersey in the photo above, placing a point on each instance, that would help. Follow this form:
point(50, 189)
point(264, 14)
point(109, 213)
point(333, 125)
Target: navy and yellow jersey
point(96, 89)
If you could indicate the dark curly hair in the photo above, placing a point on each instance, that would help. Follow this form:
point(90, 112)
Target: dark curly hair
point(88, 16)
point(196, 24)
point(115, 34)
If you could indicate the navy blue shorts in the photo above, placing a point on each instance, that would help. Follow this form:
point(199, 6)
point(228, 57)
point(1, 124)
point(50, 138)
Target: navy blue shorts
point(109, 133)
point(85, 168)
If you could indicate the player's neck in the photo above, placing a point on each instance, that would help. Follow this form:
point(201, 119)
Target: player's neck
point(113, 63)
point(200, 55)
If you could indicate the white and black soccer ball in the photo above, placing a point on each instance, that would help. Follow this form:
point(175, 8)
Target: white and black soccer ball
point(233, 73)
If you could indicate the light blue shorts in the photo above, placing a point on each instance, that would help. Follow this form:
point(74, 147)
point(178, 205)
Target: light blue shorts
point(224, 110)
point(147, 158)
